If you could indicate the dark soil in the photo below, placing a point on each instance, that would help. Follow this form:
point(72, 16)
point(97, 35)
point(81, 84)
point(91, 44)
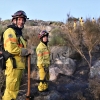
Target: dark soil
point(76, 87)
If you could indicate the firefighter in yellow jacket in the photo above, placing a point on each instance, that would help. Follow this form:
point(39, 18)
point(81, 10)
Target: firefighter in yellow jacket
point(81, 22)
point(15, 45)
point(93, 21)
point(43, 60)
point(75, 24)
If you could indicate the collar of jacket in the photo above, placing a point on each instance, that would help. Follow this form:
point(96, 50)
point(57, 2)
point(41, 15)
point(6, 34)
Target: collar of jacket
point(43, 44)
point(17, 30)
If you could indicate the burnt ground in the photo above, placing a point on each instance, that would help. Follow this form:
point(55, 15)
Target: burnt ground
point(76, 87)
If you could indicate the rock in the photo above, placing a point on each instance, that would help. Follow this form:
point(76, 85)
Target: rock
point(58, 51)
point(69, 67)
point(54, 73)
point(66, 67)
point(63, 52)
point(58, 61)
point(95, 70)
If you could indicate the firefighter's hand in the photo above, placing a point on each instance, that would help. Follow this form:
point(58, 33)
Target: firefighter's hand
point(26, 52)
point(30, 51)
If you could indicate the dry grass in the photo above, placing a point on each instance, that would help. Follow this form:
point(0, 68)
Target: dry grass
point(94, 85)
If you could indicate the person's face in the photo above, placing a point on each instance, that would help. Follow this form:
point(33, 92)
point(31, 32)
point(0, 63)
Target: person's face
point(45, 39)
point(20, 22)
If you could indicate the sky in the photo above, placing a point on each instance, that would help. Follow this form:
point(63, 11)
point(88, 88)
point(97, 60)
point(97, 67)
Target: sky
point(51, 10)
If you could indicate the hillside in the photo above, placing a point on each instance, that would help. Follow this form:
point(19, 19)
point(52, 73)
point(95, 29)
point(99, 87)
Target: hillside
point(75, 59)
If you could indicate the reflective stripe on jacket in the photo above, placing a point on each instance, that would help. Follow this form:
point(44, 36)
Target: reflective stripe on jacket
point(43, 55)
point(13, 45)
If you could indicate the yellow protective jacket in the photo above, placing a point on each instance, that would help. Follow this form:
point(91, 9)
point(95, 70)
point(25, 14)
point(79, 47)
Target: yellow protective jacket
point(43, 55)
point(13, 45)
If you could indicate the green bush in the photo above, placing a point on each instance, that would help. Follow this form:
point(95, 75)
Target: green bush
point(57, 38)
point(1, 29)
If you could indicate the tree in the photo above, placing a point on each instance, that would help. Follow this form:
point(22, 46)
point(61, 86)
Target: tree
point(80, 39)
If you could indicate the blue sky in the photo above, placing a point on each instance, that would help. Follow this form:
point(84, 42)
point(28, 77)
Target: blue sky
point(51, 10)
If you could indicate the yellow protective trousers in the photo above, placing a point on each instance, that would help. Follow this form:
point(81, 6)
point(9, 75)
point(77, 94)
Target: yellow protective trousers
point(42, 74)
point(13, 80)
